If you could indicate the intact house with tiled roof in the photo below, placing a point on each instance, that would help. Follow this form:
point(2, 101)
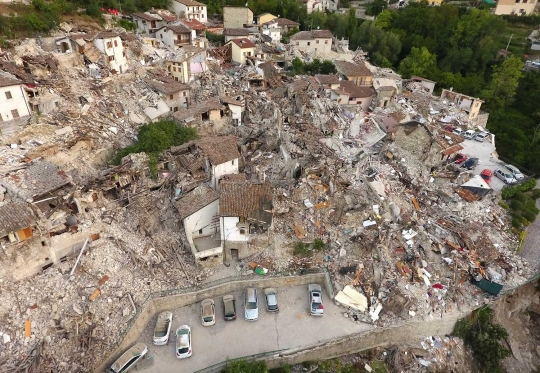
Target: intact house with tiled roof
point(312, 41)
point(330, 81)
point(174, 36)
point(241, 50)
point(198, 31)
point(246, 211)
point(357, 73)
point(13, 100)
point(174, 93)
point(189, 9)
point(199, 211)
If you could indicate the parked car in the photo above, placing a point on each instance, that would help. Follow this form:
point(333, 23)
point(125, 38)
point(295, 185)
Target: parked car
point(208, 312)
point(251, 305)
point(458, 131)
point(129, 359)
point(270, 295)
point(229, 308)
point(183, 342)
point(315, 300)
point(469, 134)
point(470, 163)
point(449, 128)
point(163, 328)
point(514, 171)
point(486, 175)
point(505, 176)
point(460, 158)
point(481, 136)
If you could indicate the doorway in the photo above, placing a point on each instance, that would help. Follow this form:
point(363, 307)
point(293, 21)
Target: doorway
point(234, 254)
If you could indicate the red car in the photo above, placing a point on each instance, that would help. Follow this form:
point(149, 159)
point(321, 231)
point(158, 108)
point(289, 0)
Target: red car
point(449, 128)
point(460, 158)
point(486, 175)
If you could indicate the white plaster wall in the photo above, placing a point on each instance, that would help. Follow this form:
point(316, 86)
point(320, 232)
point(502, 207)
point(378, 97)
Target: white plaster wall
point(201, 220)
point(120, 62)
point(236, 113)
point(19, 102)
point(320, 47)
point(227, 168)
point(229, 230)
point(166, 36)
point(197, 12)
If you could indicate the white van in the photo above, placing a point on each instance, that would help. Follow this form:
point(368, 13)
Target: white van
point(469, 134)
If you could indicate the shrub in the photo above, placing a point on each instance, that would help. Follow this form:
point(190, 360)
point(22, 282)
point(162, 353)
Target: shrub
point(510, 192)
point(153, 138)
point(520, 196)
point(504, 205)
point(215, 38)
point(128, 25)
point(243, 366)
point(529, 215)
point(483, 336)
point(516, 221)
point(516, 205)
point(319, 245)
point(301, 250)
point(535, 193)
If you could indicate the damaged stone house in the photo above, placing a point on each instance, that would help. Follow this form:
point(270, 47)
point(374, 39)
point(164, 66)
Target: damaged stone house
point(197, 113)
point(112, 51)
point(236, 108)
point(246, 212)
point(471, 105)
point(40, 224)
point(235, 33)
point(348, 93)
point(174, 36)
point(199, 211)
point(13, 100)
point(148, 23)
point(355, 72)
point(175, 94)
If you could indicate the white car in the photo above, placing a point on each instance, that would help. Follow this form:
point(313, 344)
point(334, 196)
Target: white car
point(251, 305)
point(183, 342)
point(514, 171)
point(469, 134)
point(163, 328)
point(127, 361)
point(458, 131)
point(481, 136)
point(208, 312)
point(315, 300)
point(505, 176)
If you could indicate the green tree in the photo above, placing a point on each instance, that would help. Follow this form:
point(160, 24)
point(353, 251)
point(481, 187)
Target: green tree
point(243, 366)
point(382, 46)
point(375, 7)
point(328, 67)
point(504, 83)
point(483, 336)
point(384, 19)
point(297, 66)
point(419, 62)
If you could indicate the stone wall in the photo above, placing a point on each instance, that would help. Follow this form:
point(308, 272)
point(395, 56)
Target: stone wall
point(158, 304)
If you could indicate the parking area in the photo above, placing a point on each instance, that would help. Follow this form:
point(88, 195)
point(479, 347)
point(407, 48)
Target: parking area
point(291, 328)
point(483, 151)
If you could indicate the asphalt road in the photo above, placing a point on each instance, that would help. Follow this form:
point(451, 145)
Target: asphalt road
point(292, 327)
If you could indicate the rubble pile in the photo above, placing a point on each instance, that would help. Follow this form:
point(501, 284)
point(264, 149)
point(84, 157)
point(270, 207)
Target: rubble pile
point(371, 193)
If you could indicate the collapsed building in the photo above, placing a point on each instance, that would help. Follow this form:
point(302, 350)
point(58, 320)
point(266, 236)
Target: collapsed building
point(360, 161)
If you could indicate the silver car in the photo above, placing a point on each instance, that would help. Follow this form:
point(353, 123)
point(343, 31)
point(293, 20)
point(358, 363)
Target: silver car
point(251, 305)
point(208, 312)
point(514, 171)
point(315, 300)
point(129, 359)
point(183, 342)
point(163, 327)
point(481, 136)
point(270, 295)
point(505, 176)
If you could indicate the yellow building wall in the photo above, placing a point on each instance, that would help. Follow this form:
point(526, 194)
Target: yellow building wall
point(266, 18)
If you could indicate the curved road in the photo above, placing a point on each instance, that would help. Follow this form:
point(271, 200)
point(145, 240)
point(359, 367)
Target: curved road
point(531, 246)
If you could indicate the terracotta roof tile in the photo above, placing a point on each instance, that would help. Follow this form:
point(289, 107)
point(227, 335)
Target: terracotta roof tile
point(198, 109)
point(311, 35)
point(244, 199)
point(166, 87)
point(146, 16)
point(355, 90)
point(243, 43)
point(327, 79)
point(6, 81)
point(235, 32)
point(193, 24)
point(219, 149)
point(352, 69)
point(195, 200)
